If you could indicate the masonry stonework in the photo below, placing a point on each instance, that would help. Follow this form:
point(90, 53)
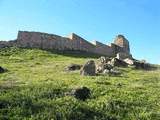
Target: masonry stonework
point(123, 43)
point(73, 42)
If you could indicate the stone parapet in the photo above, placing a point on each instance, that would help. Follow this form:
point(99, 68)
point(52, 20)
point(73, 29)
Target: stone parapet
point(73, 42)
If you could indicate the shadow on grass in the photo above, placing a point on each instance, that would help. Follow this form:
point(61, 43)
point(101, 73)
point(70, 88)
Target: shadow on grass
point(86, 113)
point(76, 54)
point(71, 53)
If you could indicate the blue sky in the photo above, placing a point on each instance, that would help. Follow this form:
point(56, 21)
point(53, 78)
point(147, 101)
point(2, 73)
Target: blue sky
point(102, 20)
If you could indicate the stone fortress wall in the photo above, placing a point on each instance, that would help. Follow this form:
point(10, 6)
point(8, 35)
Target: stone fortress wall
point(73, 42)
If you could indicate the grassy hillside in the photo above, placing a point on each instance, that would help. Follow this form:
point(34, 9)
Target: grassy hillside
point(36, 84)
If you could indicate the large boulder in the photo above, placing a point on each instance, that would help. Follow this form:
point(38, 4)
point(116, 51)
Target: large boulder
point(81, 93)
point(2, 70)
point(73, 67)
point(88, 68)
point(119, 63)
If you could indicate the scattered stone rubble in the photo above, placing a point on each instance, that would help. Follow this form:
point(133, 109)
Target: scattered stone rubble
point(109, 66)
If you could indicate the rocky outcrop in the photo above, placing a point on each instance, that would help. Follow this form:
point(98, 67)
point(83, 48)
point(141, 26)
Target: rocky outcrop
point(100, 68)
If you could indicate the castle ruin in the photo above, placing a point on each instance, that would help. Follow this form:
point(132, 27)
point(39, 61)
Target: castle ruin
point(73, 42)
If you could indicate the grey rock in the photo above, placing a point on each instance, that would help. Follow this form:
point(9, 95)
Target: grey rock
point(88, 69)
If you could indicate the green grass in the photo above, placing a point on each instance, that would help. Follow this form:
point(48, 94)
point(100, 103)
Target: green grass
point(35, 87)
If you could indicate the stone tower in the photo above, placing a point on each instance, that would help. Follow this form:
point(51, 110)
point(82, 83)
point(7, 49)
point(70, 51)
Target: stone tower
point(123, 43)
